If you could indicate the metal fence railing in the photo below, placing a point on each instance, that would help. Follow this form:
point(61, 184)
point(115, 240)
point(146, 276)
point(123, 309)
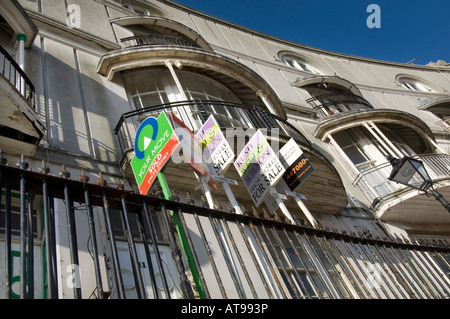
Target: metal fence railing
point(223, 255)
point(335, 103)
point(155, 39)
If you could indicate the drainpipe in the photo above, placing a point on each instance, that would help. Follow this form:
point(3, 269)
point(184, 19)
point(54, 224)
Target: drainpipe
point(21, 38)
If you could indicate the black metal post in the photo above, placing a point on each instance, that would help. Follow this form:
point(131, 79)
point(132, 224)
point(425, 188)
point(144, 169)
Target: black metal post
point(289, 282)
point(48, 241)
point(247, 240)
point(149, 257)
point(30, 271)
point(23, 239)
point(238, 254)
point(114, 255)
point(210, 256)
point(8, 274)
point(73, 245)
point(266, 258)
point(156, 248)
point(132, 249)
point(228, 260)
point(52, 221)
point(194, 254)
point(98, 276)
point(176, 254)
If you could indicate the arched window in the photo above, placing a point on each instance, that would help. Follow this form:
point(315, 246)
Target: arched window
point(298, 63)
point(414, 84)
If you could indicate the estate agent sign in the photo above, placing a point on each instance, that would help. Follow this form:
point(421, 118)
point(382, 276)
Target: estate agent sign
point(154, 143)
point(259, 167)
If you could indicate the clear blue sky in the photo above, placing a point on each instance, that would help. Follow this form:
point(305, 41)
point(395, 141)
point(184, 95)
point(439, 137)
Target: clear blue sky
point(409, 29)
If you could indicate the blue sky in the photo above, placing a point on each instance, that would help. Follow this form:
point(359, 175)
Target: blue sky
point(409, 29)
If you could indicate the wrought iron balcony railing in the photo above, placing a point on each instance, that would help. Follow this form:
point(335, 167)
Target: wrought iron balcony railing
point(445, 123)
point(194, 113)
point(376, 187)
point(17, 77)
point(155, 39)
point(335, 103)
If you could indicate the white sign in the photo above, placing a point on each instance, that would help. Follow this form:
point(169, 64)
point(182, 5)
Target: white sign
point(259, 167)
point(216, 149)
point(297, 166)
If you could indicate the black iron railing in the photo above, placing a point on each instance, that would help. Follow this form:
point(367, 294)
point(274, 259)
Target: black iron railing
point(335, 103)
point(375, 185)
point(155, 39)
point(265, 257)
point(195, 112)
point(17, 77)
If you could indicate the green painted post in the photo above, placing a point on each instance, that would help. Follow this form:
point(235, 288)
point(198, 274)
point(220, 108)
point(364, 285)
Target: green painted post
point(180, 230)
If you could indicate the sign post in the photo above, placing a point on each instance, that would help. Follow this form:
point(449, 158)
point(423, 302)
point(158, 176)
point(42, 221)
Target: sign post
point(298, 168)
point(218, 152)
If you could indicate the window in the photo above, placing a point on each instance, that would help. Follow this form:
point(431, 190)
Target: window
point(414, 84)
point(298, 63)
point(156, 86)
point(136, 6)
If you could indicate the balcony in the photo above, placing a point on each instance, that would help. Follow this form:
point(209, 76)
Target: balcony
point(156, 39)
point(395, 201)
point(336, 103)
point(194, 113)
point(20, 128)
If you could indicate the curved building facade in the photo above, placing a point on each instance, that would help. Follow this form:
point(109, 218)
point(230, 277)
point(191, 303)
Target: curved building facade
point(80, 77)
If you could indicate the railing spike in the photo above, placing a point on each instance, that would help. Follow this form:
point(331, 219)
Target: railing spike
point(204, 202)
point(175, 196)
point(266, 214)
point(3, 161)
point(217, 205)
point(120, 184)
point(101, 181)
point(44, 169)
point(64, 173)
point(254, 211)
point(21, 163)
point(83, 177)
point(189, 199)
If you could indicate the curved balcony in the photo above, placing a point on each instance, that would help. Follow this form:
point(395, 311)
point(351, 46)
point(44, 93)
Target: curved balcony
point(156, 39)
point(20, 127)
point(194, 113)
point(336, 103)
point(397, 202)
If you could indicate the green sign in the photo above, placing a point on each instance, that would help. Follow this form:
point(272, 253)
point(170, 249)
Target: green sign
point(154, 143)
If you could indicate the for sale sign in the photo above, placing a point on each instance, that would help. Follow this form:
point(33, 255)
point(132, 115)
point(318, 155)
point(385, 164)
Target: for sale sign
point(154, 143)
point(297, 165)
point(216, 149)
point(259, 167)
